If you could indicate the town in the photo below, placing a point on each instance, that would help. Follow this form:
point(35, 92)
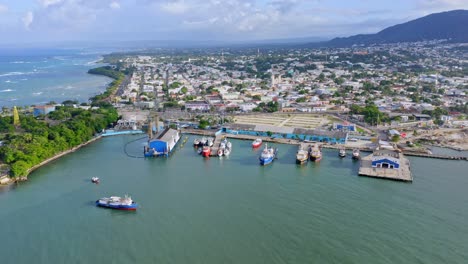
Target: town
point(407, 92)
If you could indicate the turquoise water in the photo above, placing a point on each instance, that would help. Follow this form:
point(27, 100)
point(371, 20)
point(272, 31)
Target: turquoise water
point(28, 78)
point(231, 210)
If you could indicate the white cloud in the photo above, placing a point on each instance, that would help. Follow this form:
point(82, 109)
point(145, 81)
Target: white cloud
point(114, 5)
point(28, 19)
point(46, 3)
point(3, 8)
point(441, 5)
point(175, 7)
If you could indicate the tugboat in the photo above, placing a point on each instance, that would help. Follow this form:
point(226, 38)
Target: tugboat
point(268, 155)
point(206, 151)
point(302, 155)
point(118, 203)
point(257, 143)
point(356, 154)
point(315, 153)
point(342, 153)
point(95, 180)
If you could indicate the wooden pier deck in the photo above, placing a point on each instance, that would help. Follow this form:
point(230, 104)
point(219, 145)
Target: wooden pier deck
point(401, 174)
point(216, 143)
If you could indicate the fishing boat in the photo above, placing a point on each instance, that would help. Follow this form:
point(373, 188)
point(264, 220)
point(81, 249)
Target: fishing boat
point(95, 180)
point(257, 143)
point(228, 144)
point(342, 153)
point(209, 142)
point(268, 155)
point(356, 154)
point(206, 151)
point(118, 203)
point(220, 152)
point(302, 156)
point(196, 142)
point(315, 153)
point(227, 151)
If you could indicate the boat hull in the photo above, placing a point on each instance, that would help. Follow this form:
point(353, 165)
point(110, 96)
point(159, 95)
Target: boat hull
point(301, 161)
point(131, 207)
point(315, 159)
point(264, 162)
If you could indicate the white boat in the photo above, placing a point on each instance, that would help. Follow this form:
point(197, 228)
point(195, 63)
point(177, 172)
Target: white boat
point(356, 154)
point(220, 152)
point(228, 144)
point(342, 153)
point(95, 179)
point(210, 142)
point(227, 151)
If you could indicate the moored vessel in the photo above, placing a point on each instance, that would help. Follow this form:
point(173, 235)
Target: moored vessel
point(95, 180)
point(118, 203)
point(356, 154)
point(257, 143)
point(206, 151)
point(315, 153)
point(268, 155)
point(342, 153)
point(302, 156)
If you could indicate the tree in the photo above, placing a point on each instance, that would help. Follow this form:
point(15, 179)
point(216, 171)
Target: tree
point(396, 138)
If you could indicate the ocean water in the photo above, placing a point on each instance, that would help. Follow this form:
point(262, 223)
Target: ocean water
point(231, 210)
point(32, 77)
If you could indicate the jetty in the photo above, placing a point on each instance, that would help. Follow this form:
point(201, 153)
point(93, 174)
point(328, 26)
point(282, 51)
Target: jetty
point(216, 144)
point(386, 164)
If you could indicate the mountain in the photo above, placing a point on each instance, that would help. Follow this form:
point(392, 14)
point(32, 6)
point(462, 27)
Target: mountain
point(446, 25)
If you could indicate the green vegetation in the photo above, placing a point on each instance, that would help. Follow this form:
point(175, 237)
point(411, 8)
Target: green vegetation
point(371, 113)
point(38, 140)
point(108, 71)
point(269, 107)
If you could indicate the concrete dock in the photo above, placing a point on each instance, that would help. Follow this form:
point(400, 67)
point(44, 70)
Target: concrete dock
point(402, 173)
point(216, 143)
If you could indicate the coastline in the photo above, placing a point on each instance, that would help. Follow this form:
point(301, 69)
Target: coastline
point(57, 156)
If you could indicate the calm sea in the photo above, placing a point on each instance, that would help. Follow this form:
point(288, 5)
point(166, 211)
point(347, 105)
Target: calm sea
point(231, 210)
point(38, 76)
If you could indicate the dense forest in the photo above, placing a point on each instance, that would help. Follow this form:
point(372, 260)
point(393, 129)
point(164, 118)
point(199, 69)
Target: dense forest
point(36, 140)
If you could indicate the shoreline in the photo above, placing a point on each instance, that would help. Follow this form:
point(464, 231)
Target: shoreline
point(55, 157)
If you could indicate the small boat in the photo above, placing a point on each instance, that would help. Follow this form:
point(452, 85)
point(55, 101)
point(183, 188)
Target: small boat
point(268, 155)
point(95, 179)
point(206, 151)
point(315, 153)
point(118, 203)
point(228, 144)
point(196, 142)
point(220, 152)
point(356, 154)
point(257, 143)
point(199, 150)
point(342, 153)
point(302, 156)
point(209, 142)
point(227, 151)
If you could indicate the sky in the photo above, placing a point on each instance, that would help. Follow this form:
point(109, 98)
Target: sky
point(30, 21)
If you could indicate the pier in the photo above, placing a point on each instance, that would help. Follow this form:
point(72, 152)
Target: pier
point(385, 164)
point(216, 143)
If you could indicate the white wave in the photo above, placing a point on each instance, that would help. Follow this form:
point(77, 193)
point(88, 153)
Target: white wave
point(20, 62)
point(38, 93)
point(18, 73)
point(6, 91)
point(68, 87)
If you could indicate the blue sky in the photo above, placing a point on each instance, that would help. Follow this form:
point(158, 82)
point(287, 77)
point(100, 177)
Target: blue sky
point(23, 21)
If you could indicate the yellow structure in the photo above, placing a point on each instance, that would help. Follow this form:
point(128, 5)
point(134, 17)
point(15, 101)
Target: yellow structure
point(16, 120)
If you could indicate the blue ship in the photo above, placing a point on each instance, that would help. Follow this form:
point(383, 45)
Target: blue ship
point(268, 155)
point(118, 203)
